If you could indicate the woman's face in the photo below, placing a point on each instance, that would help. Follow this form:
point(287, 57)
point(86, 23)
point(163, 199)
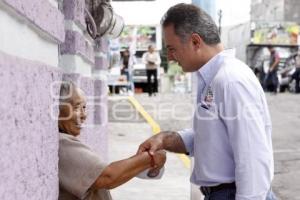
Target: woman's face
point(72, 114)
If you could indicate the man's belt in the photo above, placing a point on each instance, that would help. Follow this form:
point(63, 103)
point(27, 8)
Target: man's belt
point(208, 190)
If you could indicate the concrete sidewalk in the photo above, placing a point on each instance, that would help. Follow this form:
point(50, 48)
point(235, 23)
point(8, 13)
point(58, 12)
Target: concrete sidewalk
point(285, 113)
point(125, 137)
point(174, 112)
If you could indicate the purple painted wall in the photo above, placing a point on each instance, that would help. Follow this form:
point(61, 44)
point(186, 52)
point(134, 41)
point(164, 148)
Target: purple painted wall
point(29, 139)
point(95, 132)
point(101, 115)
point(102, 46)
point(75, 43)
point(101, 63)
point(41, 14)
point(29, 98)
point(74, 10)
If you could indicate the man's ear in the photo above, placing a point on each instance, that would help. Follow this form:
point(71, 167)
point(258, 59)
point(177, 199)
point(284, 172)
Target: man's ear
point(196, 40)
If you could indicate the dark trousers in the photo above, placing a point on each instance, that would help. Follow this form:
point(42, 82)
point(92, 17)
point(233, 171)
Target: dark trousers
point(271, 82)
point(152, 86)
point(229, 194)
point(296, 76)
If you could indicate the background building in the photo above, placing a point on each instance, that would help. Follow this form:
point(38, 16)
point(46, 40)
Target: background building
point(266, 13)
point(275, 10)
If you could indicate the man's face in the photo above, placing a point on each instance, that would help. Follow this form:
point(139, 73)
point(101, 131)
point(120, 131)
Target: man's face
point(151, 49)
point(73, 114)
point(182, 52)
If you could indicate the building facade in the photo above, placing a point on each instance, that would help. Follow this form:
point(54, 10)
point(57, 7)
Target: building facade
point(275, 10)
point(44, 42)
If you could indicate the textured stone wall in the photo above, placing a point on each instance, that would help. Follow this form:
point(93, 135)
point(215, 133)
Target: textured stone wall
point(74, 10)
point(267, 10)
point(79, 46)
point(29, 140)
point(276, 10)
point(30, 87)
point(100, 72)
point(292, 8)
point(42, 15)
point(76, 44)
point(28, 128)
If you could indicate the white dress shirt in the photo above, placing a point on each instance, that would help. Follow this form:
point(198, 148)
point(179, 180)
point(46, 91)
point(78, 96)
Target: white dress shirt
point(231, 135)
point(151, 57)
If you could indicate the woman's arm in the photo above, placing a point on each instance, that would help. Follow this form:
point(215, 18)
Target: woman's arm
point(122, 171)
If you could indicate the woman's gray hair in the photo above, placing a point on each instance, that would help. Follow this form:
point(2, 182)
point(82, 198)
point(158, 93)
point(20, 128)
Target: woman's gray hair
point(188, 19)
point(66, 90)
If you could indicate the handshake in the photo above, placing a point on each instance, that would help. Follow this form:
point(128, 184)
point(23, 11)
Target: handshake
point(156, 153)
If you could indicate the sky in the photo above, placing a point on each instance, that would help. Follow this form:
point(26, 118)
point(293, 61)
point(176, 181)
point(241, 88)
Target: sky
point(150, 13)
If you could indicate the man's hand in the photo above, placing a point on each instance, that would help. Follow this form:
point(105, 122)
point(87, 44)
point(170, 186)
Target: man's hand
point(153, 144)
point(159, 158)
point(159, 161)
point(165, 140)
point(155, 147)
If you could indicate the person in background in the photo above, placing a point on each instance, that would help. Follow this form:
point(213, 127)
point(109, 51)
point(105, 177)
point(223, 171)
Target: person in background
point(174, 71)
point(82, 173)
point(296, 74)
point(271, 79)
point(126, 69)
point(125, 63)
point(152, 60)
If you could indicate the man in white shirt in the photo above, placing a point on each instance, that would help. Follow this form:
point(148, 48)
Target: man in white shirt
point(230, 139)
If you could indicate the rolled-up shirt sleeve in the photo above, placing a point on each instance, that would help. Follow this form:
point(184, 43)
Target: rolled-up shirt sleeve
point(187, 136)
point(249, 136)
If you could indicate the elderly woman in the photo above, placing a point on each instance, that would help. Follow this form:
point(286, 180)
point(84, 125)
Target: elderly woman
point(82, 173)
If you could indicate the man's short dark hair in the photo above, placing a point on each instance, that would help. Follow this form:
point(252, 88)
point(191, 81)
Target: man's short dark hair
point(150, 46)
point(188, 19)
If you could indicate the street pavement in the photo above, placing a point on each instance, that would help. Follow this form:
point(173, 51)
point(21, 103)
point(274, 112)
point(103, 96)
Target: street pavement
point(124, 140)
point(174, 112)
point(285, 113)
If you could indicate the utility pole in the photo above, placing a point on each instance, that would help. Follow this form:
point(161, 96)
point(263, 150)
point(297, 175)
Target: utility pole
point(220, 21)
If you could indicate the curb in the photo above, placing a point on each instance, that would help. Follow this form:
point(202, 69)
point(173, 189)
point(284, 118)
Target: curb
point(155, 127)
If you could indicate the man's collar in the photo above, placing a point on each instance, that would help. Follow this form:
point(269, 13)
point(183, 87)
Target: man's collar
point(208, 71)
